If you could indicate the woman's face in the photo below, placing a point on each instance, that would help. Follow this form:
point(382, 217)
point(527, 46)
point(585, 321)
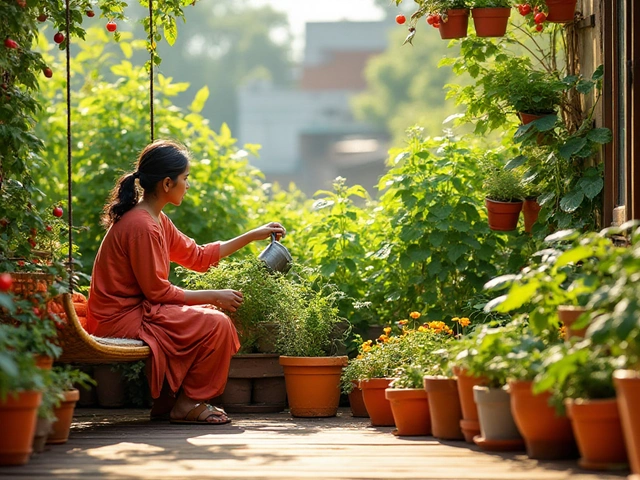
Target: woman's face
point(179, 187)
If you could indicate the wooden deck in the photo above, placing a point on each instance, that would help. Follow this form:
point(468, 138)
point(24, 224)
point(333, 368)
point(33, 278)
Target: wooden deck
point(124, 444)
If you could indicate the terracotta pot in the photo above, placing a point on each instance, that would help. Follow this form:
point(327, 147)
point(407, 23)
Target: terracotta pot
point(456, 24)
point(444, 406)
point(313, 384)
point(598, 431)
point(109, 387)
point(43, 429)
point(627, 383)
point(490, 22)
point(378, 407)
point(568, 315)
point(530, 210)
point(18, 417)
point(43, 362)
point(64, 417)
point(503, 216)
point(356, 402)
point(547, 435)
point(469, 424)
point(561, 11)
point(410, 409)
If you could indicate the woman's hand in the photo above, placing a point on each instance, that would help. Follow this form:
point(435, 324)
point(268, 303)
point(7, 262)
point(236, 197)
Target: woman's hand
point(229, 300)
point(266, 230)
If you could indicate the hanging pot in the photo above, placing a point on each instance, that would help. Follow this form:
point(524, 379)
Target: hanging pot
point(530, 211)
point(456, 24)
point(491, 22)
point(561, 11)
point(503, 216)
point(276, 256)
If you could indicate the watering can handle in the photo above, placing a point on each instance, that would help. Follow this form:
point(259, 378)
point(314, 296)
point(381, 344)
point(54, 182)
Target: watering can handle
point(273, 237)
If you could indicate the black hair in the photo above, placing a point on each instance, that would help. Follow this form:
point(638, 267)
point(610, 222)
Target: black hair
point(158, 160)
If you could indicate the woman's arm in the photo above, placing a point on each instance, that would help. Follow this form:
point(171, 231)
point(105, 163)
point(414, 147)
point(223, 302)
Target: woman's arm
point(260, 233)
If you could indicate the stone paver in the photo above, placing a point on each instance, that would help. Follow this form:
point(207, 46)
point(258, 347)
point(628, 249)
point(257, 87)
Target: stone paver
point(124, 444)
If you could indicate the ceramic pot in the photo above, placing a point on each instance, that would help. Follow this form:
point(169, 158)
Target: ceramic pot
point(568, 315)
point(627, 383)
point(503, 216)
point(561, 11)
point(498, 430)
point(378, 407)
point(456, 25)
point(410, 409)
point(18, 417)
point(444, 406)
point(598, 431)
point(64, 417)
point(313, 384)
point(490, 22)
point(469, 424)
point(547, 435)
point(356, 402)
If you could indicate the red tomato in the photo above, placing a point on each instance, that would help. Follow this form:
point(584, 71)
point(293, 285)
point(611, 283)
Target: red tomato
point(10, 43)
point(400, 19)
point(539, 27)
point(111, 26)
point(57, 212)
point(539, 18)
point(47, 72)
point(6, 280)
point(58, 37)
point(431, 19)
point(90, 13)
point(526, 9)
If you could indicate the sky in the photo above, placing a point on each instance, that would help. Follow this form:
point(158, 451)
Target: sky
point(303, 11)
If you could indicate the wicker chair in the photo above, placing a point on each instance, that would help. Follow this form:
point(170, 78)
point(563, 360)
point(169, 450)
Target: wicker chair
point(80, 347)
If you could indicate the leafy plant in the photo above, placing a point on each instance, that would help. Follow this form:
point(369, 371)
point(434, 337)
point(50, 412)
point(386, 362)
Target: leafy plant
point(18, 371)
point(268, 297)
point(491, 3)
point(58, 380)
point(503, 185)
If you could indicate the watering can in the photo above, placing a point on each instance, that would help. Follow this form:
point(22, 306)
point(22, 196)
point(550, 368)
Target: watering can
point(276, 256)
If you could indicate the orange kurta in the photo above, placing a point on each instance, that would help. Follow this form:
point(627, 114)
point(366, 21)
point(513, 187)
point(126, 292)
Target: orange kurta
point(131, 297)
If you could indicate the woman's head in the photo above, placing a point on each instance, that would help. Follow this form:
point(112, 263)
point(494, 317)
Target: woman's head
point(161, 163)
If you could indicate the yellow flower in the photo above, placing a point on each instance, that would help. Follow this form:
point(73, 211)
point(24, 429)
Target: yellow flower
point(422, 328)
point(359, 357)
point(465, 322)
point(455, 319)
point(387, 330)
point(415, 315)
point(403, 322)
point(366, 347)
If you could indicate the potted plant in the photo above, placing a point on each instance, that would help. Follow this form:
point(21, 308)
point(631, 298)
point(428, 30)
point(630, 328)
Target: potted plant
point(504, 195)
point(556, 11)
point(490, 17)
point(580, 378)
point(450, 17)
point(307, 343)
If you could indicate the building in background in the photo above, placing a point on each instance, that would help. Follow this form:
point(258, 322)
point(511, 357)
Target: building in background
point(308, 135)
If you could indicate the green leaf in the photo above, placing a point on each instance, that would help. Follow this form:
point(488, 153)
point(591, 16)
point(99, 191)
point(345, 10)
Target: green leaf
point(591, 186)
point(418, 254)
point(170, 31)
point(600, 135)
point(571, 146)
point(455, 251)
point(436, 238)
point(585, 86)
point(545, 198)
point(515, 162)
point(573, 256)
point(570, 202)
point(518, 296)
point(200, 99)
point(434, 267)
point(545, 123)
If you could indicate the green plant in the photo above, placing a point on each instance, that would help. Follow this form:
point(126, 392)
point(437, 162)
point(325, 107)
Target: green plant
point(491, 3)
point(581, 370)
point(502, 185)
point(136, 384)
point(268, 297)
point(315, 328)
point(57, 381)
point(18, 371)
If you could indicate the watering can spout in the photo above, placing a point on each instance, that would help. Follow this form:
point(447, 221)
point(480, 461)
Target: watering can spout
point(276, 256)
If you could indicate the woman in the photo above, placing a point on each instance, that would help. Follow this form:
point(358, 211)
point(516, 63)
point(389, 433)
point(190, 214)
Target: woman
point(191, 341)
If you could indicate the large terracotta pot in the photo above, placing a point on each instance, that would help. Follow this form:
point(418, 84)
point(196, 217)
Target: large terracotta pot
point(561, 11)
point(18, 417)
point(568, 315)
point(410, 408)
point(598, 431)
point(627, 383)
point(456, 24)
point(313, 384)
point(490, 22)
point(547, 435)
point(356, 402)
point(444, 407)
point(497, 427)
point(469, 424)
point(530, 211)
point(64, 417)
point(503, 216)
point(378, 407)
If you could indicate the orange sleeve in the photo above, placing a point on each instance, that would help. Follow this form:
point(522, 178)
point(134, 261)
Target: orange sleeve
point(151, 268)
point(186, 252)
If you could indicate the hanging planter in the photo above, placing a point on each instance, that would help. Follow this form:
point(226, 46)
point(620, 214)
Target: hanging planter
point(491, 22)
point(456, 25)
point(530, 211)
point(561, 11)
point(503, 216)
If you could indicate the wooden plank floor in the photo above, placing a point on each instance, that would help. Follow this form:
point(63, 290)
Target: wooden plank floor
point(124, 444)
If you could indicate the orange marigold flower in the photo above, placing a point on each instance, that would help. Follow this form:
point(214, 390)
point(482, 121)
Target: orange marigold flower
point(465, 322)
point(422, 328)
point(366, 347)
point(387, 330)
point(415, 315)
point(403, 322)
point(383, 338)
point(359, 357)
point(455, 319)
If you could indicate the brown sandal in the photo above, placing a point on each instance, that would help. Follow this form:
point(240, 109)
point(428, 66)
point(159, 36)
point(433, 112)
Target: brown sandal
point(193, 417)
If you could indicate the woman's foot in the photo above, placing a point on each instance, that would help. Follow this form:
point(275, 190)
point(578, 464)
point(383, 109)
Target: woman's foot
point(187, 410)
point(163, 404)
